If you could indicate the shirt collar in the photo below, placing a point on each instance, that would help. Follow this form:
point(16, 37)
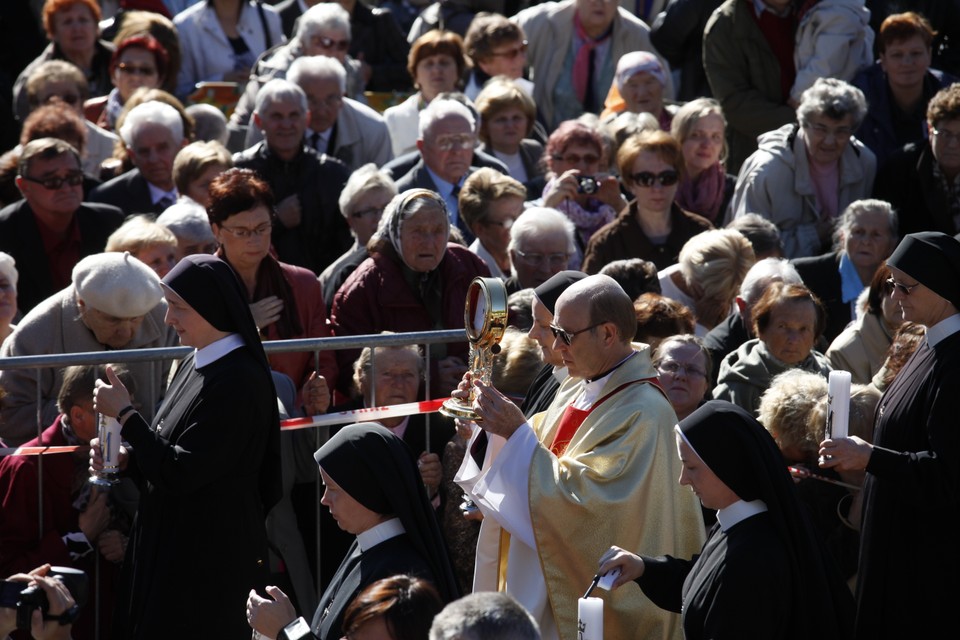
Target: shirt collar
point(217, 349)
point(443, 187)
point(592, 388)
point(738, 512)
point(943, 329)
point(380, 533)
point(850, 285)
point(157, 194)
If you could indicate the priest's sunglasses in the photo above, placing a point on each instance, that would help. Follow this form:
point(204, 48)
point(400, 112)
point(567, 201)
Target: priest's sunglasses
point(568, 336)
point(905, 289)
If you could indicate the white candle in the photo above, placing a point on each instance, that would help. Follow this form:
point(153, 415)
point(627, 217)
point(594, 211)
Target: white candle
point(838, 419)
point(110, 443)
point(589, 619)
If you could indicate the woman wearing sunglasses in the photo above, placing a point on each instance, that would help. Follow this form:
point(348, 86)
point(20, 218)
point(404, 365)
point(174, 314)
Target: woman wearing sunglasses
point(653, 226)
point(138, 61)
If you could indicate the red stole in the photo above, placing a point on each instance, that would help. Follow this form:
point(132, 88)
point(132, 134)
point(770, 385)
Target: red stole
point(572, 418)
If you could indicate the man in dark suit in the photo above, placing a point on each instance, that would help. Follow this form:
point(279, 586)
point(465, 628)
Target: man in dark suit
point(153, 134)
point(446, 142)
point(290, 12)
point(51, 229)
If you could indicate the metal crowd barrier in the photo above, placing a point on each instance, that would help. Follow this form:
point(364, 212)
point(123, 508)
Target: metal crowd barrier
point(315, 345)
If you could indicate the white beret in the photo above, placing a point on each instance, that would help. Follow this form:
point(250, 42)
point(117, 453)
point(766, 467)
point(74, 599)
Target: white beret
point(117, 284)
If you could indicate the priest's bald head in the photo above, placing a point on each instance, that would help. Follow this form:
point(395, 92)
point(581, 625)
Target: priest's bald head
point(593, 326)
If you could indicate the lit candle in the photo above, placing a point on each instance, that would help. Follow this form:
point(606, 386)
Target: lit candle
point(838, 419)
point(590, 619)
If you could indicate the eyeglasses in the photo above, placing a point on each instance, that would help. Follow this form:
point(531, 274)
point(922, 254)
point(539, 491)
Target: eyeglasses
point(647, 179)
point(134, 70)
point(572, 158)
point(568, 336)
point(53, 183)
point(537, 259)
point(329, 43)
point(373, 212)
point(905, 289)
point(840, 133)
point(512, 53)
point(244, 233)
point(673, 368)
point(460, 142)
point(948, 137)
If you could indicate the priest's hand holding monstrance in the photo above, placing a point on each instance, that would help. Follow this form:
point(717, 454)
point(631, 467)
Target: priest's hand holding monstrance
point(485, 318)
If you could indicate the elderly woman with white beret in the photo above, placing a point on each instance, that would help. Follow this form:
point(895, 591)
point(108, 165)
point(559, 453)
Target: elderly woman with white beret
point(114, 302)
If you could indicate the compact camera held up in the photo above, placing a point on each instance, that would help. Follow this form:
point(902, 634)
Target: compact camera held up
point(587, 184)
point(27, 599)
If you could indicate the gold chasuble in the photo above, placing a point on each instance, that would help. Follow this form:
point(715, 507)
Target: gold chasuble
point(616, 483)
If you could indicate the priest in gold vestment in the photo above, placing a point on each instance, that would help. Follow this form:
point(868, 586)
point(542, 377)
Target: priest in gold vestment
point(596, 468)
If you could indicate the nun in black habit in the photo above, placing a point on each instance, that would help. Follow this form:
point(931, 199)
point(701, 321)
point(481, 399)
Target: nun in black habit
point(762, 572)
point(907, 583)
point(373, 490)
point(208, 467)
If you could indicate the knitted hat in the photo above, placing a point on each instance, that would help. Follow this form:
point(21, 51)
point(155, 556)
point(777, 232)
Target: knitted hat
point(933, 259)
point(117, 284)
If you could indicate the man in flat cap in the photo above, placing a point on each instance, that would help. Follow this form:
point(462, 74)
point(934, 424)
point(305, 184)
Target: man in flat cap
point(597, 467)
point(114, 302)
point(907, 579)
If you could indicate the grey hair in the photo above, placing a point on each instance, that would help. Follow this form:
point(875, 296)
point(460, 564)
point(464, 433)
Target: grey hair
point(834, 99)
point(484, 615)
point(209, 123)
point(440, 108)
point(278, 90)
point(322, 67)
point(366, 178)
point(326, 15)
point(537, 221)
point(151, 112)
point(365, 362)
point(763, 273)
point(858, 207)
point(188, 221)
point(8, 268)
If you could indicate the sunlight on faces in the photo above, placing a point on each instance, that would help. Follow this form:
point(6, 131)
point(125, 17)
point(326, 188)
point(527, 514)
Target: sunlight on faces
point(126, 81)
point(921, 305)
point(826, 138)
point(945, 142)
point(159, 257)
point(507, 59)
point(791, 331)
point(540, 332)
point(686, 386)
point(283, 124)
point(153, 151)
point(704, 144)
point(245, 253)
point(199, 189)
point(868, 242)
point(423, 237)
point(314, 45)
point(656, 199)
point(60, 203)
point(535, 259)
point(584, 357)
point(585, 158)
point(324, 100)
point(192, 328)
point(435, 74)
point(450, 165)
point(643, 93)
point(494, 233)
point(83, 420)
point(596, 16)
point(905, 62)
point(63, 92)
point(109, 330)
point(397, 377)
point(351, 516)
point(711, 490)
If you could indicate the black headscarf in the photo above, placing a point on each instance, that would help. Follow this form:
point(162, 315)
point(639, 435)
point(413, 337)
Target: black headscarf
point(746, 458)
point(378, 470)
point(549, 291)
point(212, 288)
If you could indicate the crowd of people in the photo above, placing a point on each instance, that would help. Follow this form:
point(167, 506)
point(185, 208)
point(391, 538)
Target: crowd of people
point(698, 210)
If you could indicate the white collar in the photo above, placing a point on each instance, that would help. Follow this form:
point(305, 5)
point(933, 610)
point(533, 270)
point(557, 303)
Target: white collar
point(217, 349)
point(382, 532)
point(592, 388)
point(738, 512)
point(560, 374)
point(943, 329)
point(157, 194)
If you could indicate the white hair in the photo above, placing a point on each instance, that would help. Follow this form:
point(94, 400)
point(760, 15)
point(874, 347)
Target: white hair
point(8, 268)
point(321, 67)
point(366, 178)
point(278, 90)
point(150, 113)
point(538, 221)
point(440, 108)
point(765, 272)
point(188, 221)
point(326, 15)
